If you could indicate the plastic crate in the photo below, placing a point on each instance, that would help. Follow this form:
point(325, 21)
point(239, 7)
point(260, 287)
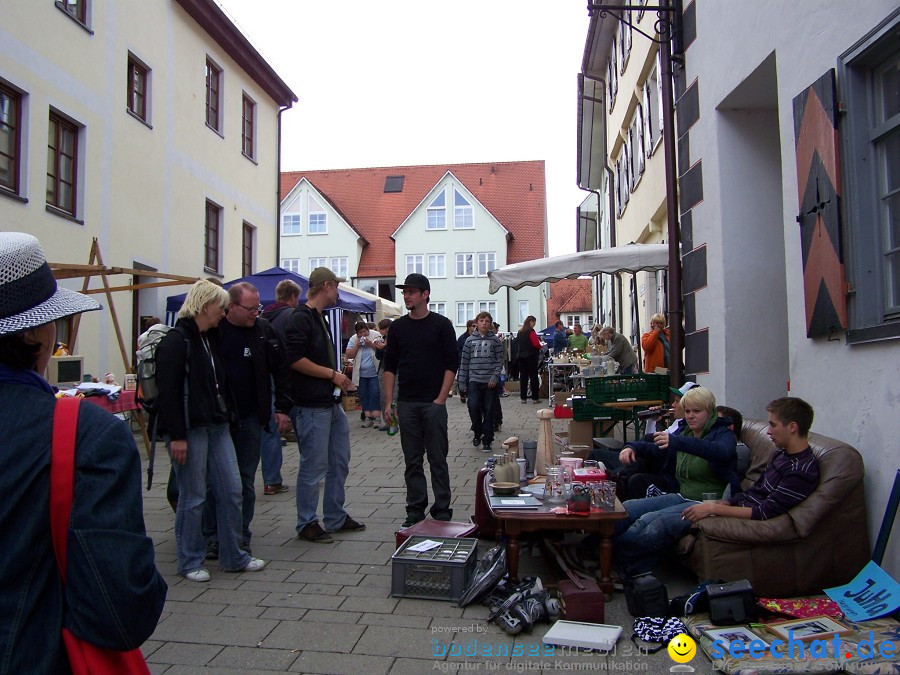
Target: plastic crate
point(441, 573)
point(584, 409)
point(643, 387)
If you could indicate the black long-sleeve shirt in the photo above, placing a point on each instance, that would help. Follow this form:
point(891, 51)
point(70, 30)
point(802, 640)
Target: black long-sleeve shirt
point(787, 481)
point(422, 350)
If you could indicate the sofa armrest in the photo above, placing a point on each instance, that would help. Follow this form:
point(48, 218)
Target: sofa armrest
point(740, 531)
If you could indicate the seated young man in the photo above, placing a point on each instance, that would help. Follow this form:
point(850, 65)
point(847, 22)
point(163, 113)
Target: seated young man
point(790, 477)
point(701, 457)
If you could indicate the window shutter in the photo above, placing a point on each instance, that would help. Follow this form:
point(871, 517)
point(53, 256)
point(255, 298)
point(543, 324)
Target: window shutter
point(819, 186)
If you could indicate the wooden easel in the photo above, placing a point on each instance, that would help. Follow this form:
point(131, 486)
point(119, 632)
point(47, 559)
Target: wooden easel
point(96, 267)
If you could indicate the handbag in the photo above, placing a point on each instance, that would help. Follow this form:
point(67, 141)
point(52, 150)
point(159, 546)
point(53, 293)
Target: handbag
point(656, 629)
point(84, 657)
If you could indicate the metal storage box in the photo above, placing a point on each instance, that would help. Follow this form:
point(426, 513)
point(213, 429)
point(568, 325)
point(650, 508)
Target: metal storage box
point(438, 574)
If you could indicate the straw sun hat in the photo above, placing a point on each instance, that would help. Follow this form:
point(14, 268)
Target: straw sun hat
point(29, 296)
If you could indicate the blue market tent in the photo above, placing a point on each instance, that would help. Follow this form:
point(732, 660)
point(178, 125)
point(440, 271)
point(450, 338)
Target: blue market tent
point(267, 280)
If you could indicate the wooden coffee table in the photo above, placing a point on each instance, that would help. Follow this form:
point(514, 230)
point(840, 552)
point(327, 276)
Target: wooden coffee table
point(515, 522)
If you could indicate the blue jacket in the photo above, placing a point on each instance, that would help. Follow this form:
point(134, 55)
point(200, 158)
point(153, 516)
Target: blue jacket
point(717, 448)
point(114, 594)
point(560, 341)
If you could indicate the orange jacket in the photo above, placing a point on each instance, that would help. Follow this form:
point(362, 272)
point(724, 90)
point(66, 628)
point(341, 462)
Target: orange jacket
point(654, 352)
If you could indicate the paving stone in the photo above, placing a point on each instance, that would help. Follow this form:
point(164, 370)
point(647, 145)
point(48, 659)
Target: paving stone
point(326, 577)
point(376, 605)
point(251, 611)
point(185, 653)
point(428, 608)
point(219, 630)
point(404, 666)
point(254, 659)
point(272, 586)
point(304, 600)
point(388, 641)
point(320, 637)
point(239, 596)
point(397, 620)
point(323, 662)
point(283, 613)
point(333, 616)
point(195, 607)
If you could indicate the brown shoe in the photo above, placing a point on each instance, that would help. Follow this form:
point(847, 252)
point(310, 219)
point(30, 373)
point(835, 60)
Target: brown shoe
point(275, 489)
point(313, 532)
point(351, 525)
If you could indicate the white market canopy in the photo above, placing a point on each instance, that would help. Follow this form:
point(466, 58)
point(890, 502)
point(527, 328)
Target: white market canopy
point(630, 258)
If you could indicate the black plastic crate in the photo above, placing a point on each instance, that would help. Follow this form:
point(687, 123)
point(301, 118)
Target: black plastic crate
point(622, 388)
point(441, 573)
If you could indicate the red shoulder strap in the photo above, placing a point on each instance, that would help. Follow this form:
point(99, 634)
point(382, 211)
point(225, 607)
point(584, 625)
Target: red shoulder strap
point(62, 475)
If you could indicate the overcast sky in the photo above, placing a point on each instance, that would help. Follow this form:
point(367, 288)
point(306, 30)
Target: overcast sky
point(398, 82)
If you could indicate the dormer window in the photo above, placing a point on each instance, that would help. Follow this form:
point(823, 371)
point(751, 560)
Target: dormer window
point(317, 219)
point(462, 212)
point(437, 213)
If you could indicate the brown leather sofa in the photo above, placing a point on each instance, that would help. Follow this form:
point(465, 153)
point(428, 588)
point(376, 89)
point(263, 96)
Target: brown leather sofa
point(821, 542)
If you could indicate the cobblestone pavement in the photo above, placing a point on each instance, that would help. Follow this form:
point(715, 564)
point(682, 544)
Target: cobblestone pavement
point(327, 608)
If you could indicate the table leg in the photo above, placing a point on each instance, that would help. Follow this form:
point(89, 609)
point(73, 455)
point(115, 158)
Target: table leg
point(142, 423)
point(512, 556)
point(606, 584)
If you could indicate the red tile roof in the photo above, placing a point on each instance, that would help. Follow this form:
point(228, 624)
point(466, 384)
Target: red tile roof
point(514, 193)
point(569, 296)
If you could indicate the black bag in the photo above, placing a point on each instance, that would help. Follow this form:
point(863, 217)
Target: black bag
point(656, 630)
point(693, 601)
point(731, 603)
point(645, 596)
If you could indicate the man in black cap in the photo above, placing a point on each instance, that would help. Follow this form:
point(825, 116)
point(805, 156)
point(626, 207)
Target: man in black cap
point(422, 346)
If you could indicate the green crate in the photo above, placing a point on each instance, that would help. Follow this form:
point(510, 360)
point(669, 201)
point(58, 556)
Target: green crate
point(621, 388)
point(585, 410)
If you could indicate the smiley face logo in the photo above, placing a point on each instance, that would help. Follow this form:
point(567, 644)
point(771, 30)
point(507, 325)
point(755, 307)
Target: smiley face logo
point(682, 648)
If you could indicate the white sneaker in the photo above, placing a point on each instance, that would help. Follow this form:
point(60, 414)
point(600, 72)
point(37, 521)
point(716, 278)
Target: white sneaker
point(255, 565)
point(198, 575)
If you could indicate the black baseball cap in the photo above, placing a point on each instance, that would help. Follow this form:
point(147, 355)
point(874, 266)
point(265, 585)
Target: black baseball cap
point(415, 280)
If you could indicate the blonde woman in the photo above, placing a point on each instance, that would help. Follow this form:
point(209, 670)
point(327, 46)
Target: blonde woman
point(195, 423)
point(655, 344)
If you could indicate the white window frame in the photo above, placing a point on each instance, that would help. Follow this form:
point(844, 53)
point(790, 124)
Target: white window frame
point(291, 265)
point(488, 306)
point(415, 263)
point(317, 262)
point(436, 264)
point(462, 263)
point(462, 213)
point(438, 308)
point(524, 311)
point(338, 265)
point(484, 266)
point(319, 228)
point(465, 310)
point(296, 223)
point(437, 213)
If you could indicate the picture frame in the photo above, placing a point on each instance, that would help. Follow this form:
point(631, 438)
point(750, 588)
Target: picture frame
point(819, 627)
point(739, 633)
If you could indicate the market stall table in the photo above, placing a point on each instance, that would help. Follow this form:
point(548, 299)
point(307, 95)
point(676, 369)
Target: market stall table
point(126, 402)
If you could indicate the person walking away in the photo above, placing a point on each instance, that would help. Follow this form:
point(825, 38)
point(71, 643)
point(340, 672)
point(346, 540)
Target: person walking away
point(271, 454)
point(421, 349)
point(528, 346)
point(110, 568)
point(655, 344)
point(460, 343)
point(361, 348)
point(253, 358)
point(479, 378)
point(323, 432)
point(194, 417)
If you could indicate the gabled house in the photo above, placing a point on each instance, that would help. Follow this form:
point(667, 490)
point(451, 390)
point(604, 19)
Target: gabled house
point(152, 127)
point(454, 223)
point(571, 301)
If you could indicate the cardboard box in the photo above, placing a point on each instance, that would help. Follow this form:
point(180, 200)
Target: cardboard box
point(581, 433)
point(512, 386)
point(559, 398)
point(351, 402)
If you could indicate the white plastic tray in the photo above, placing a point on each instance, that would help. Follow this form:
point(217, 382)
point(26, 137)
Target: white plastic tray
point(584, 635)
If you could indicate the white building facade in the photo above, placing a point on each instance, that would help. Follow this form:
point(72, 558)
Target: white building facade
point(150, 127)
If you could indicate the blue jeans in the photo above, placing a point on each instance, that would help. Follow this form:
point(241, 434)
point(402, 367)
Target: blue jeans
point(653, 525)
point(210, 457)
point(270, 453)
point(482, 402)
point(324, 438)
point(369, 396)
point(245, 435)
point(629, 370)
point(423, 431)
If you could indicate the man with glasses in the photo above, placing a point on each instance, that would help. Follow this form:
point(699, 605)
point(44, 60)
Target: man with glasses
point(253, 359)
point(422, 347)
point(320, 422)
